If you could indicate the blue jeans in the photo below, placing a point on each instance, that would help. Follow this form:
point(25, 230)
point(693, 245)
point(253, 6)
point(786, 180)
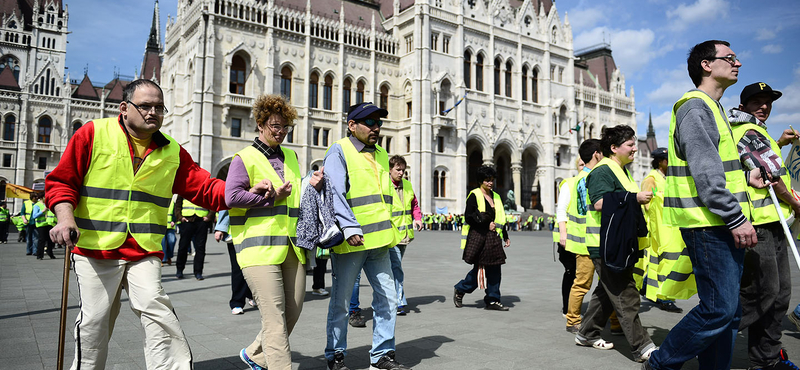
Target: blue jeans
point(33, 240)
point(168, 245)
point(708, 331)
point(354, 303)
point(378, 270)
point(470, 283)
point(396, 257)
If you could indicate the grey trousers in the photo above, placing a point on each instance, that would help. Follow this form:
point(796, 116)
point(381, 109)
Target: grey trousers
point(615, 292)
point(765, 293)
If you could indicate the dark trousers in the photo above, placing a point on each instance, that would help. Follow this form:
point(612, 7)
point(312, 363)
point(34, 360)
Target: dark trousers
point(239, 289)
point(4, 231)
point(22, 235)
point(567, 259)
point(319, 273)
point(616, 292)
point(44, 240)
point(195, 232)
point(765, 294)
point(470, 283)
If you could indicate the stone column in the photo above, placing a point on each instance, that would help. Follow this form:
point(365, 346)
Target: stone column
point(516, 175)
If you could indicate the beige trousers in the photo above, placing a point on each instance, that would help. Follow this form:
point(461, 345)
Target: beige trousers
point(100, 284)
point(584, 274)
point(279, 291)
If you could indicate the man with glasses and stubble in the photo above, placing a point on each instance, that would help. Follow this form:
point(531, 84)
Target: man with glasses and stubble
point(363, 193)
point(113, 187)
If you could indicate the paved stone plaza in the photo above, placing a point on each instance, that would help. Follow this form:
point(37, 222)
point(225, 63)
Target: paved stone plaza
point(434, 335)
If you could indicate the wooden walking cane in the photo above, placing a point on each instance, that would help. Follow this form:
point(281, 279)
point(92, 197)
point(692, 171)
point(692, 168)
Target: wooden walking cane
point(73, 235)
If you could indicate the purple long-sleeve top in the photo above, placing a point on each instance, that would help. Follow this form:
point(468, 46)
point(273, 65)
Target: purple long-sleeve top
point(237, 185)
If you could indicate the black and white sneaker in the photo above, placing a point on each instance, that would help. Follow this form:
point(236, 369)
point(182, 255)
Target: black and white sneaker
point(387, 362)
point(337, 363)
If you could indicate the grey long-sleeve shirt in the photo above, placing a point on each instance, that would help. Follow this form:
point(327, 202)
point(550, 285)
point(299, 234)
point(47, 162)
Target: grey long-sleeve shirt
point(697, 142)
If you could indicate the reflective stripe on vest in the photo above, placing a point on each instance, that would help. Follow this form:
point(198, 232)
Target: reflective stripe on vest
point(116, 201)
point(3, 215)
point(28, 209)
point(264, 236)
point(576, 223)
point(764, 211)
point(593, 217)
point(189, 209)
point(370, 198)
point(42, 219)
point(682, 206)
point(51, 218)
point(403, 218)
point(499, 213)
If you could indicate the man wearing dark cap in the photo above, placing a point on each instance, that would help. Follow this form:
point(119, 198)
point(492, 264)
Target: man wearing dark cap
point(766, 282)
point(668, 270)
point(363, 192)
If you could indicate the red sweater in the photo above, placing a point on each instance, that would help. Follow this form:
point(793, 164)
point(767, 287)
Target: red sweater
point(64, 183)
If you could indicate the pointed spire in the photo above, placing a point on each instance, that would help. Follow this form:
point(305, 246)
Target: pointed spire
point(651, 132)
point(341, 12)
point(566, 17)
point(154, 41)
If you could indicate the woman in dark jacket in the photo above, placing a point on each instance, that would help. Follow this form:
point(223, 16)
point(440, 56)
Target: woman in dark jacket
point(481, 241)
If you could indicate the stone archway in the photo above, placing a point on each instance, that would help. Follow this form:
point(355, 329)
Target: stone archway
point(504, 180)
point(474, 162)
point(530, 187)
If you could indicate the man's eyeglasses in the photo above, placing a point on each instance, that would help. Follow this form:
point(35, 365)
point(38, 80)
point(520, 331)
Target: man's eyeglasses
point(731, 59)
point(284, 129)
point(369, 122)
point(146, 108)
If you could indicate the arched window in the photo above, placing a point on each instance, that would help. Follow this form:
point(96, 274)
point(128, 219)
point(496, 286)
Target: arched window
point(497, 64)
point(8, 127)
point(479, 73)
point(435, 183)
point(45, 127)
point(467, 68)
point(286, 82)
point(443, 184)
point(313, 90)
point(9, 61)
point(524, 82)
point(75, 126)
point(238, 75)
point(360, 92)
point(509, 66)
point(346, 94)
point(384, 98)
point(535, 86)
point(327, 93)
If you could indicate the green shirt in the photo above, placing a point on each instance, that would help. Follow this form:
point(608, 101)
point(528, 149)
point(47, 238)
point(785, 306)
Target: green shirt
point(601, 181)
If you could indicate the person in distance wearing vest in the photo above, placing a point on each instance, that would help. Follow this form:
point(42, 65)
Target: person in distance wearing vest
point(5, 219)
point(30, 226)
point(43, 227)
point(616, 291)
point(408, 217)
point(766, 278)
point(263, 191)
point(193, 229)
point(112, 187)
point(706, 196)
point(363, 198)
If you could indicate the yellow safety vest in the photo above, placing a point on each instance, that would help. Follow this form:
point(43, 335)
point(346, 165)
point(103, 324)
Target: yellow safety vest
point(763, 211)
point(28, 209)
point(170, 211)
point(42, 219)
point(51, 218)
point(189, 209)
point(576, 223)
point(3, 215)
point(499, 214)
point(682, 206)
point(370, 197)
point(402, 213)
point(264, 236)
point(116, 201)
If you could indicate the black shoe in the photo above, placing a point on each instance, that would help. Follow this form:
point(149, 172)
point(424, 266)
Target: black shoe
point(387, 362)
point(669, 306)
point(401, 311)
point(357, 320)
point(39, 258)
point(495, 306)
point(52, 257)
point(179, 275)
point(781, 365)
point(28, 254)
point(783, 354)
point(458, 298)
point(337, 363)
point(199, 277)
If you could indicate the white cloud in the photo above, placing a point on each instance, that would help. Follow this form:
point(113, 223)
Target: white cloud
point(685, 16)
point(786, 111)
point(772, 49)
point(633, 49)
point(764, 34)
point(676, 82)
point(586, 18)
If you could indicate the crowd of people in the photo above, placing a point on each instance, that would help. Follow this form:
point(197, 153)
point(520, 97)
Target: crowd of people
point(702, 222)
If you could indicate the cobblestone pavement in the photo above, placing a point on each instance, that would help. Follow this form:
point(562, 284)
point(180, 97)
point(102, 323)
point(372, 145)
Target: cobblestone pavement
point(434, 335)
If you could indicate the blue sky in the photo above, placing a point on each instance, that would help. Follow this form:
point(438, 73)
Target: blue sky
point(649, 39)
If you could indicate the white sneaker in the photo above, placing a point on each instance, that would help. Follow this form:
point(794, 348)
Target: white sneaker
point(251, 302)
point(320, 291)
point(237, 311)
point(646, 355)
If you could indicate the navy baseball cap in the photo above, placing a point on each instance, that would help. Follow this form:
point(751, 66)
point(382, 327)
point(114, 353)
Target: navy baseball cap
point(758, 88)
point(361, 111)
point(659, 153)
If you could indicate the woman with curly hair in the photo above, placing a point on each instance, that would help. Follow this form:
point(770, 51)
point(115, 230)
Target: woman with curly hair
point(263, 191)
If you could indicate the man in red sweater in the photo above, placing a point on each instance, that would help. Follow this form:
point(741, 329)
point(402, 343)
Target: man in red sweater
point(112, 187)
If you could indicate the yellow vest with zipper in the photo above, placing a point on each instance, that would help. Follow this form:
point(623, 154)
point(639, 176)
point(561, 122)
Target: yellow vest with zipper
point(370, 197)
point(116, 201)
point(499, 214)
point(682, 205)
point(264, 236)
point(576, 223)
point(402, 213)
point(764, 211)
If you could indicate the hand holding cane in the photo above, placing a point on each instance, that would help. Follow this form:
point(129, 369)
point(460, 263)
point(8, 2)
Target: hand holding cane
point(73, 235)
